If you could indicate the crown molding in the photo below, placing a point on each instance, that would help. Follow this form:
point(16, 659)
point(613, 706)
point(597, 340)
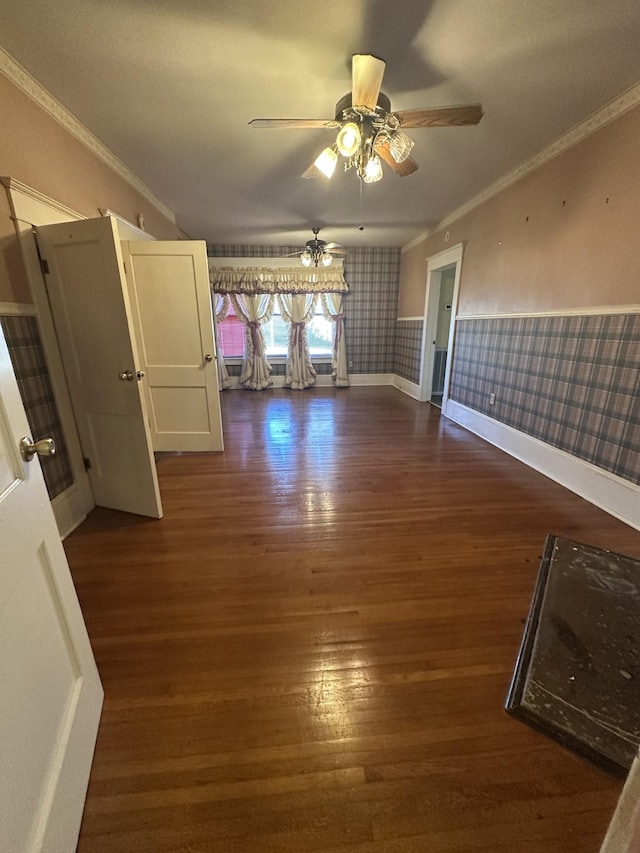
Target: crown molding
point(21, 78)
point(611, 111)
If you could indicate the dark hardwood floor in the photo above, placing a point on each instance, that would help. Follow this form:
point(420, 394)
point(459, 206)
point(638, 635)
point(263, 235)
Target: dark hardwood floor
point(311, 651)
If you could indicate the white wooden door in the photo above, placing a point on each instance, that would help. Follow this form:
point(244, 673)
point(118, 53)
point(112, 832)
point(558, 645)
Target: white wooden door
point(171, 301)
point(92, 315)
point(50, 692)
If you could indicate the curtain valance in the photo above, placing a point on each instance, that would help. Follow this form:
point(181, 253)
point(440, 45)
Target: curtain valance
point(256, 280)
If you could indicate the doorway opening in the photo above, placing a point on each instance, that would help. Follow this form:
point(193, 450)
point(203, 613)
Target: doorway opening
point(443, 277)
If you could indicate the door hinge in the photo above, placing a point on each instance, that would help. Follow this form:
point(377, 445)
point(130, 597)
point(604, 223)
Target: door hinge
point(44, 266)
point(124, 267)
point(87, 463)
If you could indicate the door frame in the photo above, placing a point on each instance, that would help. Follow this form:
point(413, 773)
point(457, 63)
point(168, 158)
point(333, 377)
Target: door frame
point(29, 208)
point(435, 265)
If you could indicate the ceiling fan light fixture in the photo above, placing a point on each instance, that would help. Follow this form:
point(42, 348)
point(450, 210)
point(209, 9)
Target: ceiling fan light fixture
point(400, 146)
point(327, 258)
point(348, 139)
point(326, 161)
point(306, 258)
point(372, 170)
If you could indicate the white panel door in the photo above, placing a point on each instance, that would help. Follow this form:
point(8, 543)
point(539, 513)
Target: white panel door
point(170, 295)
point(50, 692)
point(92, 315)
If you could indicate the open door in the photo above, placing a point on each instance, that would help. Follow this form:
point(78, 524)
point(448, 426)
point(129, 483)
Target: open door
point(441, 299)
point(51, 692)
point(87, 290)
point(171, 303)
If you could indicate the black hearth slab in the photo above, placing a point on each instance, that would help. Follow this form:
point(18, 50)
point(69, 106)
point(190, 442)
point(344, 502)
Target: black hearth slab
point(577, 676)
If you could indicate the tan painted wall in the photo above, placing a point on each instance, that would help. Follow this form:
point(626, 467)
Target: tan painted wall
point(576, 250)
point(36, 150)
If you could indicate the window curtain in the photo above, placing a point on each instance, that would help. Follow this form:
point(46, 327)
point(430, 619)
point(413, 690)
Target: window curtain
point(221, 305)
point(332, 308)
point(254, 312)
point(251, 280)
point(297, 310)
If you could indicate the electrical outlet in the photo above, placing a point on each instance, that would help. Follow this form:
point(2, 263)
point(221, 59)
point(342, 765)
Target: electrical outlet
point(350, 364)
point(492, 399)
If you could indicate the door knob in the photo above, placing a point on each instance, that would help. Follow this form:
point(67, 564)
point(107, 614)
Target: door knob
point(29, 447)
point(126, 376)
point(208, 357)
point(140, 375)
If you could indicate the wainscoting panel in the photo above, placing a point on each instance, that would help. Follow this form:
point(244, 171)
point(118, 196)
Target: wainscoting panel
point(570, 381)
point(27, 357)
point(408, 349)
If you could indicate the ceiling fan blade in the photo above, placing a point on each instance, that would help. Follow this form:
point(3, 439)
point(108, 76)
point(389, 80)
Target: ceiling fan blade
point(334, 246)
point(293, 122)
point(338, 251)
point(367, 72)
point(407, 167)
point(292, 254)
point(441, 116)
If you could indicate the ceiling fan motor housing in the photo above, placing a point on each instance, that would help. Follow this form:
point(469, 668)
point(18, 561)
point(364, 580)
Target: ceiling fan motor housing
point(316, 245)
point(345, 106)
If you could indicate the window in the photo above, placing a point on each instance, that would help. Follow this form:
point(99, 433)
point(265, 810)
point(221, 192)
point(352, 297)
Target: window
point(320, 333)
point(276, 334)
point(231, 335)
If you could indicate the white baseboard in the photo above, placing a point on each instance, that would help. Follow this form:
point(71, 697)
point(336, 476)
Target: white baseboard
point(371, 379)
point(614, 495)
point(407, 387)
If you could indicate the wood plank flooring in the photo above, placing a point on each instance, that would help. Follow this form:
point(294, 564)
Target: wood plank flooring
point(311, 651)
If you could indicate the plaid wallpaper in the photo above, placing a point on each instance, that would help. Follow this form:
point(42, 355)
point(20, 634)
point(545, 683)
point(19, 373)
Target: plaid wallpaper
point(27, 356)
point(408, 349)
point(572, 382)
point(373, 276)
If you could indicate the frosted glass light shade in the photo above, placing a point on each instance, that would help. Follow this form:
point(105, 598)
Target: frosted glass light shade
point(326, 162)
point(400, 146)
point(306, 258)
point(348, 139)
point(373, 170)
point(327, 258)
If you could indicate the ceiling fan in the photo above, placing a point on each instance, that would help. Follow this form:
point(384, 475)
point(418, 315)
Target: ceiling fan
point(318, 252)
point(368, 131)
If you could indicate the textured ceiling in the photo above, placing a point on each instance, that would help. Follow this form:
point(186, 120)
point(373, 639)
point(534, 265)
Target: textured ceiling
point(170, 85)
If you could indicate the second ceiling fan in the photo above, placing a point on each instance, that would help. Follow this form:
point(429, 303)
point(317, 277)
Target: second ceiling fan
point(318, 252)
point(368, 131)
